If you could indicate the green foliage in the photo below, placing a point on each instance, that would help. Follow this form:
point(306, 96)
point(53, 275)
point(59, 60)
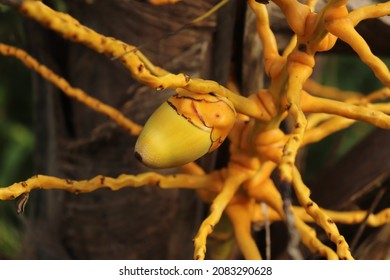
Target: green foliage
point(346, 72)
point(16, 136)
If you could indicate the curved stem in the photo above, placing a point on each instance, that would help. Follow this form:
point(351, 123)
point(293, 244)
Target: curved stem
point(70, 91)
point(324, 221)
point(311, 104)
point(231, 185)
point(187, 181)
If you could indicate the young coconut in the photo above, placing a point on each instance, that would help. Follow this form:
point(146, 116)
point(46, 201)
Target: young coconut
point(184, 128)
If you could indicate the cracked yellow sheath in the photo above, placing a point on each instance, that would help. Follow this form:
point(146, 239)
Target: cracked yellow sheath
point(184, 128)
point(157, 148)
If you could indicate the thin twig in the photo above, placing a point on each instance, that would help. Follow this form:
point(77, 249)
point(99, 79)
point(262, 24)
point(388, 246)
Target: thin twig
point(363, 225)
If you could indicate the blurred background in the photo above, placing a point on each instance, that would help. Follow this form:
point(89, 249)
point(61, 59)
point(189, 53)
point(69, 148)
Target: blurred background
point(18, 118)
point(16, 129)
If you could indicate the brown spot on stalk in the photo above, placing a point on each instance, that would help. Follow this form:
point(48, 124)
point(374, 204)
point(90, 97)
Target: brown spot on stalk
point(302, 48)
point(287, 154)
point(46, 23)
point(309, 204)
